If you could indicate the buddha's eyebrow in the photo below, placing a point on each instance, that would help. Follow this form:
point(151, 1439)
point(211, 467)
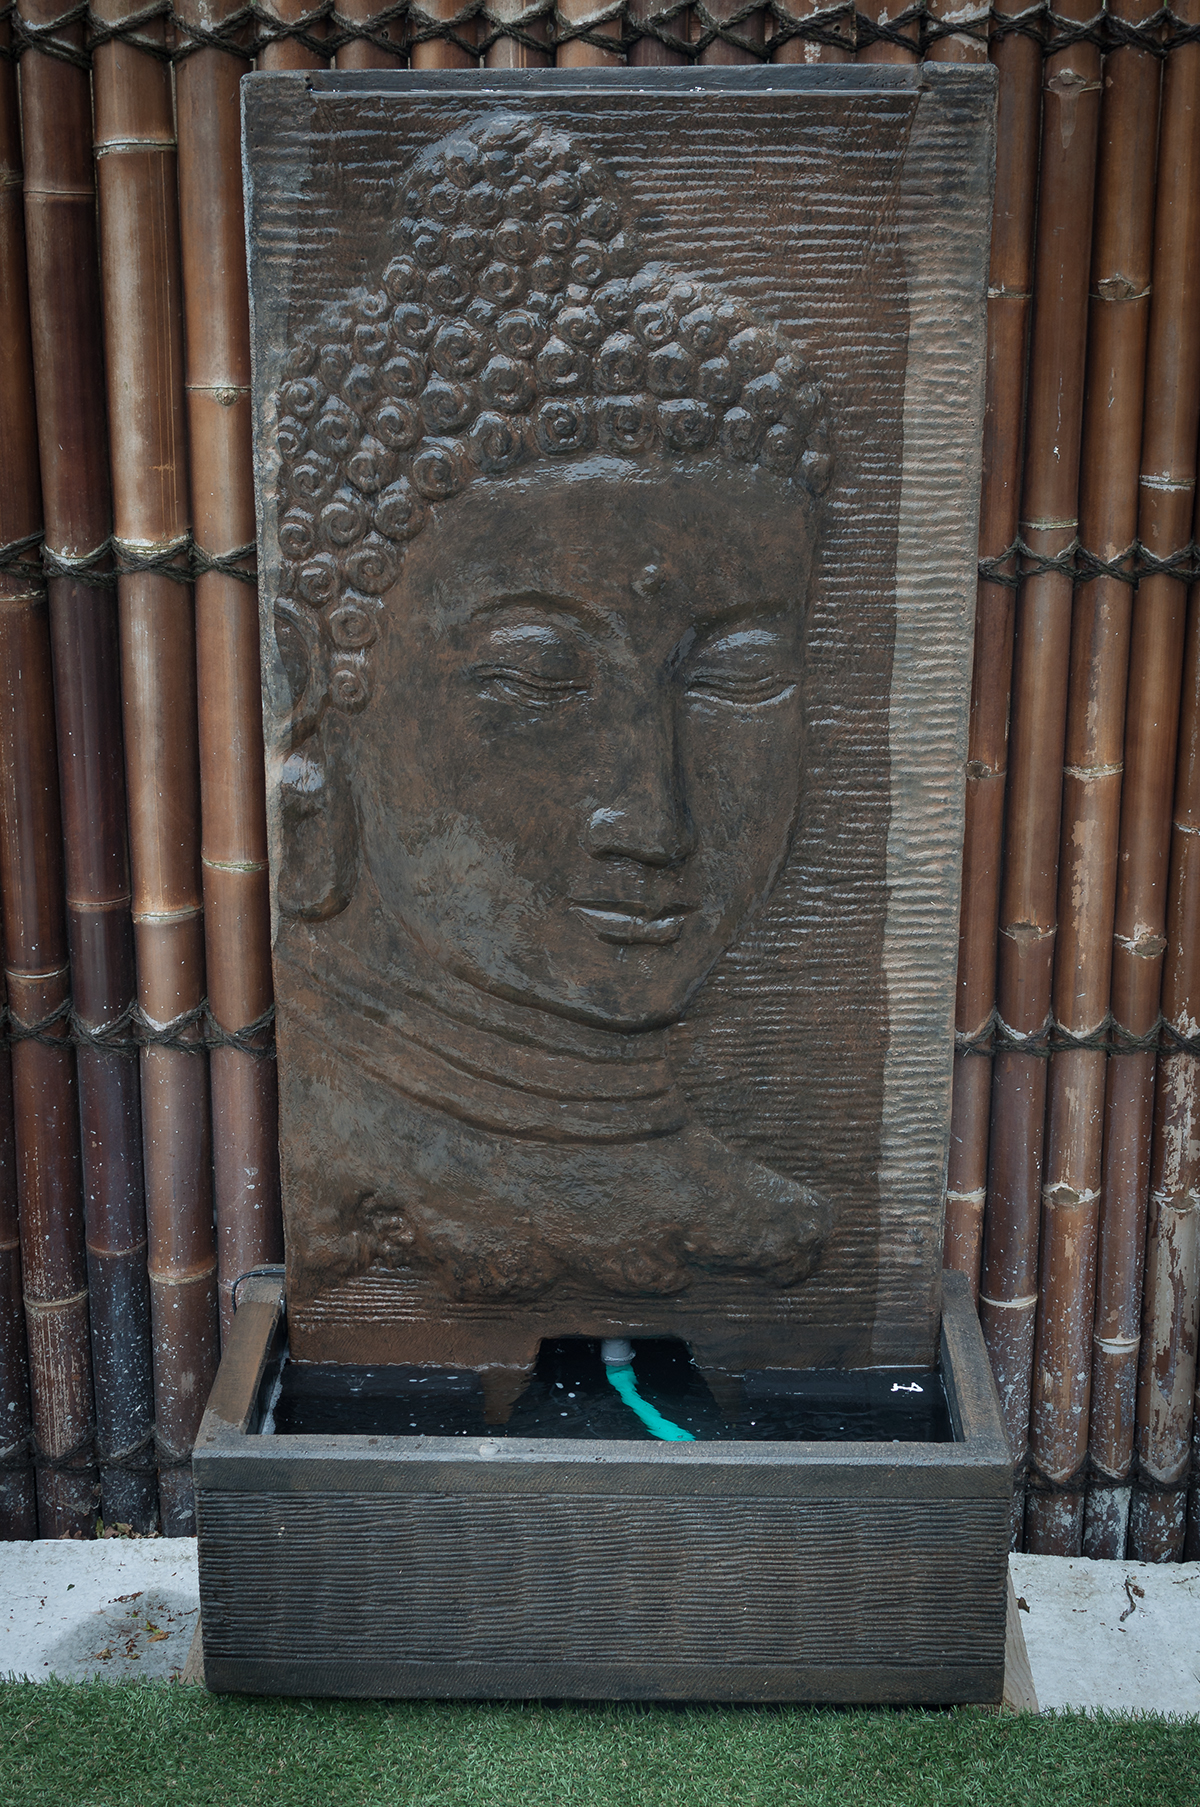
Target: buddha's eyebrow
point(739, 619)
point(770, 619)
point(741, 634)
point(543, 602)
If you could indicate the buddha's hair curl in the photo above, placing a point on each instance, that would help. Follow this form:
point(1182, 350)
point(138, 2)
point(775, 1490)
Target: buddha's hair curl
point(515, 319)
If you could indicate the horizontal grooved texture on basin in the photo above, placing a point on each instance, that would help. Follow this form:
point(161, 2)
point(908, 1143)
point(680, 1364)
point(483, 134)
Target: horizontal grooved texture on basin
point(439, 1578)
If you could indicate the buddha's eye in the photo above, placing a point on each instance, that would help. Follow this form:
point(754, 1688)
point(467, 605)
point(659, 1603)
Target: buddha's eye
point(518, 684)
point(532, 664)
point(749, 668)
point(741, 688)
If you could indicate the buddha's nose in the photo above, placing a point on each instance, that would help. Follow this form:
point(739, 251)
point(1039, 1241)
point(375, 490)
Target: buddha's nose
point(646, 816)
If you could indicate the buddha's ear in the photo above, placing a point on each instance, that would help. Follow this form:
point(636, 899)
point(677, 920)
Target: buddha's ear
point(318, 829)
point(319, 832)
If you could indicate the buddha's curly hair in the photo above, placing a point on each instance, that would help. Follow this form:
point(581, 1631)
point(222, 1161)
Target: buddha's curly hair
point(515, 319)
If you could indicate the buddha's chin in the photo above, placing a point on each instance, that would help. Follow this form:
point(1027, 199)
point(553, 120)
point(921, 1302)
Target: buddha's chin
point(623, 986)
point(615, 1000)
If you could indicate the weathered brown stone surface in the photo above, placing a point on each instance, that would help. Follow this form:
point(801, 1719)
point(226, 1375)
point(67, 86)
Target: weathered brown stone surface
point(618, 464)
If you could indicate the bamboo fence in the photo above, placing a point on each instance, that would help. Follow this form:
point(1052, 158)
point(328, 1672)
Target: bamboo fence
point(68, 367)
point(138, 1154)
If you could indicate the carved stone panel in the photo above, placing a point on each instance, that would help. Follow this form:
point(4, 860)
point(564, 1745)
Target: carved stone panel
point(618, 461)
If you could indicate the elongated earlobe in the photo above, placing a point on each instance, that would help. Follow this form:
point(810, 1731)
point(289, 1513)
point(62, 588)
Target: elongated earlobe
point(320, 834)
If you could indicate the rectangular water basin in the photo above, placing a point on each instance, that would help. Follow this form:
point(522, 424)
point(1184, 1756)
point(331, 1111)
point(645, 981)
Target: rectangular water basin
point(417, 1551)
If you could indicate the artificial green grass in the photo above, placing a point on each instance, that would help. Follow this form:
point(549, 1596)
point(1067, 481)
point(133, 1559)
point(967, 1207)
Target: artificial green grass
point(101, 1744)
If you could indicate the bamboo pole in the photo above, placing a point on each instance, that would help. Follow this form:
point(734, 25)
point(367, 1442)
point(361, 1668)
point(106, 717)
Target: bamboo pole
point(884, 50)
point(1117, 322)
point(966, 42)
point(508, 53)
point(135, 151)
point(234, 853)
point(1171, 1295)
point(46, 1121)
point(290, 53)
point(1167, 485)
point(1008, 1283)
point(652, 53)
point(1018, 61)
point(361, 53)
point(577, 53)
point(46, 1107)
point(751, 30)
point(808, 50)
point(60, 213)
point(1178, 1105)
point(442, 53)
point(18, 1498)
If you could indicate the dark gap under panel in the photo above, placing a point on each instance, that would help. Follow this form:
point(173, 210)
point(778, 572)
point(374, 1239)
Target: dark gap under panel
point(569, 1397)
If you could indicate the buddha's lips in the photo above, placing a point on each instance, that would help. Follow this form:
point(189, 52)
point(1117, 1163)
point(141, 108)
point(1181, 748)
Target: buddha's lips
point(633, 925)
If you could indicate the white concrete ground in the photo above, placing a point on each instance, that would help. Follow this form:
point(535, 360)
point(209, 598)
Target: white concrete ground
point(1122, 1635)
point(113, 1607)
point(1099, 1634)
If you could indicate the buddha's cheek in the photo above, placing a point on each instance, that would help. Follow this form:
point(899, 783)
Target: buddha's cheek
point(741, 773)
point(457, 892)
point(532, 780)
point(461, 853)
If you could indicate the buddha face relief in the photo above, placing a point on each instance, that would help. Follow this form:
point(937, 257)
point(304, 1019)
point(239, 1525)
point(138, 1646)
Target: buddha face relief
point(547, 510)
point(579, 769)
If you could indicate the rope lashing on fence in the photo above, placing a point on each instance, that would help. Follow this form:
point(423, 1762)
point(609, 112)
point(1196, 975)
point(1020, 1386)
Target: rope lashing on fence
point(1090, 1473)
point(194, 1032)
point(148, 1456)
point(1082, 566)
point(182, 561)
point(1109, 1037)
point(323, 30)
